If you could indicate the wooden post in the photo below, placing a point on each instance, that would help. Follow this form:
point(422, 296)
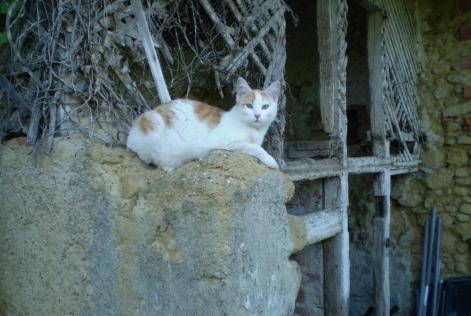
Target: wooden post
point(327, 63)
point(336, 252)
point(381, 235)
point(332, 25)
point(382, 186)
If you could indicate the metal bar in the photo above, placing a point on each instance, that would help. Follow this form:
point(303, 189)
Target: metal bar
point(423, 273)
point(436, 276)
point(430, 259)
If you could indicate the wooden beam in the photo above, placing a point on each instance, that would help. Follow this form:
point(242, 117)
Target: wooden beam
point(315, 227)
point(310, 169)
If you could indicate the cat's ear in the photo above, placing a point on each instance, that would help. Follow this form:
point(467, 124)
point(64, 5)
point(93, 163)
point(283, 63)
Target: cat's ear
point(241, 87)
point(274, 90)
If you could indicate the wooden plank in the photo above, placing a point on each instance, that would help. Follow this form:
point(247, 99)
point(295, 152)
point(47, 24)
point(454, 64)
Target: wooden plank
point(310, 169)
point(465, 32)
point(322, 225)
point(151, 54)
point(314, 227)
point(336, 252)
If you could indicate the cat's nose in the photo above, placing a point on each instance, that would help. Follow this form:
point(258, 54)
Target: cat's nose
point(257, 116)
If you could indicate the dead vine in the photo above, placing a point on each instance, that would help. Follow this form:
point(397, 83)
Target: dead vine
point(77, 65)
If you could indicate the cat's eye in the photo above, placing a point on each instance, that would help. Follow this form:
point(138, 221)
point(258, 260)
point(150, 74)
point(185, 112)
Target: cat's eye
point(249, 106)
point(265, 106)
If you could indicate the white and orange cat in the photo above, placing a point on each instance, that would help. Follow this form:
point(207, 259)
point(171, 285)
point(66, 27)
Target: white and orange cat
point(184, 130)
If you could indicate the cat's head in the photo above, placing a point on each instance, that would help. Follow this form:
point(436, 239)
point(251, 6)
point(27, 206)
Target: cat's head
point(257, 107)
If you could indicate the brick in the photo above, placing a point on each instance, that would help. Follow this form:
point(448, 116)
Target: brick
point(465, 5)
point(467, 92)
point(465, 32)
point(467, 123)
point(467, 62)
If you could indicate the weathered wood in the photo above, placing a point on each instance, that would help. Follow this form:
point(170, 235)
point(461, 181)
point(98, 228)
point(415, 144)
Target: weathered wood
point(239, 59)
point(309, 149)
point(151, 54)
point(327, 63)
point(314, 227)
point(223, 30)
point(322, 225)
point(375, 69)
point(381, 235)
point(336, 252)
point(309, 169)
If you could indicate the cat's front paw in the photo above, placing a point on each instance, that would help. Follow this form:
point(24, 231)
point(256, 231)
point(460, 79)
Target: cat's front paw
point(270, 162)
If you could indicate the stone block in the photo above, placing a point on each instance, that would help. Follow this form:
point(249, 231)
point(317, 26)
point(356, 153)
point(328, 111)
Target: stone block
point(408, 192)
point(439, 178)
point(433, 159)
point(457, 110)
point(465, 208)
point(457, 156)
point(441, 93)
point(462, 172)
point(461, 191)
point(94, 231)
point(464, 140)
point(461, 217)
point(463, 181)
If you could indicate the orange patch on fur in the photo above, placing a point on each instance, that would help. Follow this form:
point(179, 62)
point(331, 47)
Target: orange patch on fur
point(146, 124)
point(247, 98)
point(265, 95)
point(207, 113)
point(166, 113)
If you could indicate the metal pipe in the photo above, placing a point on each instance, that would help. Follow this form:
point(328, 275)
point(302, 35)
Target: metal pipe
point(436, 276)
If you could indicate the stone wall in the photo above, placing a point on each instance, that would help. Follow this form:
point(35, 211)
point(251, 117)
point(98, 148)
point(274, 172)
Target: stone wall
point(444, 180)
point(93, 231)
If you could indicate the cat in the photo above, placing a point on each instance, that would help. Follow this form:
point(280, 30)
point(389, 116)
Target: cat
point(184, 130)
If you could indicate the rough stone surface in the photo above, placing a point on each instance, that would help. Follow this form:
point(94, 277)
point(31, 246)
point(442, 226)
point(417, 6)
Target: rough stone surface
point(464, 139)
point(409, 192)
point(446, 177)
point(439, 178)
point(457, 110)
point(457, 156)
point(434, 159)
point(93, 231)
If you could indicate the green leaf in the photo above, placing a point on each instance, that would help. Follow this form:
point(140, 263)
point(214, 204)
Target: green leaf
point(6, 4)
point(3, 39)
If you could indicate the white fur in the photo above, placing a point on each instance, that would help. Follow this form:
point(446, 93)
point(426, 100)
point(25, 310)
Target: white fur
point(188, 138)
